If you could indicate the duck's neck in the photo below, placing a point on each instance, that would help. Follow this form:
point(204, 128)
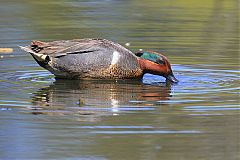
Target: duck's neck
point(148, 66)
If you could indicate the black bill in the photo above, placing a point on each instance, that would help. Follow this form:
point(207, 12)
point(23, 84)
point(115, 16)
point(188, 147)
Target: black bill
point(172, 78)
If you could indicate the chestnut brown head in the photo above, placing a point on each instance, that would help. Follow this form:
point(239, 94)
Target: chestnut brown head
point(157, 64)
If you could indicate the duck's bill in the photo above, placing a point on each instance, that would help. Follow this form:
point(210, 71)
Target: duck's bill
point(172, 78)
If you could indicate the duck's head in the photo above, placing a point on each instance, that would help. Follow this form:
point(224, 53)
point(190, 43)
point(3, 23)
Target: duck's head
point(156, 63)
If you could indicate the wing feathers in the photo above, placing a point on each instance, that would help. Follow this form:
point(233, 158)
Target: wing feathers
point(77, 46)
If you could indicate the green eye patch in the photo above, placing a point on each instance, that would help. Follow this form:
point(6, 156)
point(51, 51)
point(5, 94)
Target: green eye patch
point(151, 57)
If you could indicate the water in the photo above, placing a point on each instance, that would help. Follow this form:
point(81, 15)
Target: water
point(44, 118)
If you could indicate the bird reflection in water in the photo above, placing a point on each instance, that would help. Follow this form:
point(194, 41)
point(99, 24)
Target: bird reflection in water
point(98, 97)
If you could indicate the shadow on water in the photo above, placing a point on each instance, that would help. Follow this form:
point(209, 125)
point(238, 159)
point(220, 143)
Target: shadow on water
point(98, 96)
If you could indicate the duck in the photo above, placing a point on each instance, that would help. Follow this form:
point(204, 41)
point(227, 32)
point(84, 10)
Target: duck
point(91, 58)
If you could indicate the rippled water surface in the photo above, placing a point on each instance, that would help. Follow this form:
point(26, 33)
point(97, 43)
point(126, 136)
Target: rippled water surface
point(198, 118)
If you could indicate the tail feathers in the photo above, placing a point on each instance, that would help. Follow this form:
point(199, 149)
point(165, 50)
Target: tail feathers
point(27, 49)
point(38, 56)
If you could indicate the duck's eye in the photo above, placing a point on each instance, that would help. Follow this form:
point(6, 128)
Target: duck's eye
point(160, 61)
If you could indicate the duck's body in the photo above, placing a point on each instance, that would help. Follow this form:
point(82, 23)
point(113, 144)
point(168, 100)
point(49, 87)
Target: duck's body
point(92, 58)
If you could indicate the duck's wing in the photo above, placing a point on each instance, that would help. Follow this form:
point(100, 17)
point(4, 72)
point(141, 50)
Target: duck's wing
point(78, 46)
point(61, 48)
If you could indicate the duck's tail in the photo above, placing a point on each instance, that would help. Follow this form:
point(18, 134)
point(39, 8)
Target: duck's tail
point(39, 57)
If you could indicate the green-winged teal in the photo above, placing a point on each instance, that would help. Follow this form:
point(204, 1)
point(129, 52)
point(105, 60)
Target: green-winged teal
point(97, 59)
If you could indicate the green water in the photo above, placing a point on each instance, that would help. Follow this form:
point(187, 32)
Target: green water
point(197, 119)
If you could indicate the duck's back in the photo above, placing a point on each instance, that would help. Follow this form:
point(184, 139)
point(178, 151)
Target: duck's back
point(90, 58)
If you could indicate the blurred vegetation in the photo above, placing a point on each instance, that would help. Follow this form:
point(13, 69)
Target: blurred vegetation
point(210, 27)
